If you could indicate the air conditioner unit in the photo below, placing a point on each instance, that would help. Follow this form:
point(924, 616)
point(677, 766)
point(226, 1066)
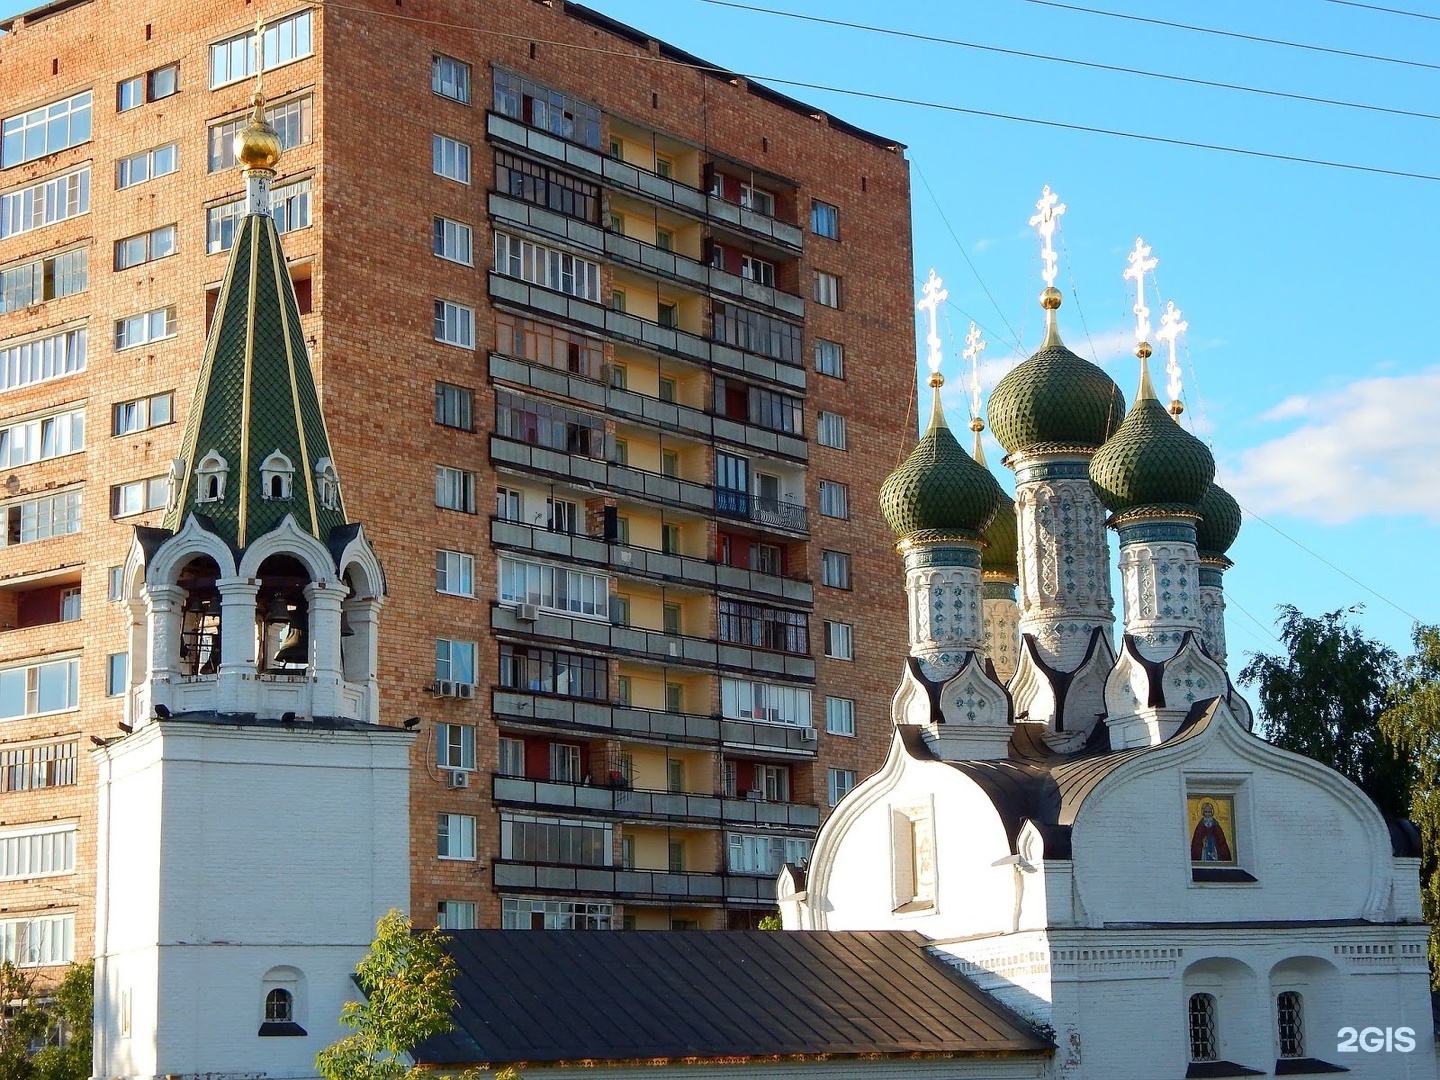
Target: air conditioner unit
point(527, 612)
point(755, 795)
point(443, 688)
point(459, 778)
point(809, 734)
point(465, 690)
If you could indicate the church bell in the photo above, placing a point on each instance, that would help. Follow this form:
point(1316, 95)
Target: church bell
point(295, 649)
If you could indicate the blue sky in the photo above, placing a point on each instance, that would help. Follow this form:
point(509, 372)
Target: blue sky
point(1309, 364)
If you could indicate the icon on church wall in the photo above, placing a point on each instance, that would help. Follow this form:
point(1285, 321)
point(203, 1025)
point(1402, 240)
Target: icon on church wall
point(1212, 830)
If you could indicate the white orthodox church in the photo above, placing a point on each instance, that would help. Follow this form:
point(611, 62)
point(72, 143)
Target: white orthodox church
point(1092, 832)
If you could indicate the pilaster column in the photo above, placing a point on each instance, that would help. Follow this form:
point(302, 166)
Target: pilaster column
point(1001, 622)
point(160, 627)
point(942, 582)
point(360, 656)
point(236, 692)
point(326, 674)
point(1212, 606)
point(1160, 576)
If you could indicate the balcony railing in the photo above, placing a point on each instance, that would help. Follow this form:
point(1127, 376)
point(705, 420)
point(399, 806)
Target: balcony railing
point(603, 718)
point(772, 513)
point(625, 802)
point(654, 645)
point(702, 888)
point(647, 562)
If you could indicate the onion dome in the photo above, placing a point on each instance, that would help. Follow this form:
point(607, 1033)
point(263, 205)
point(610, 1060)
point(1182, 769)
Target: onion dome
point(1001, 556)
point(1219, 521)
point(1151, 463)
point(1055, 399)
point(939, 490)
point(257, 144)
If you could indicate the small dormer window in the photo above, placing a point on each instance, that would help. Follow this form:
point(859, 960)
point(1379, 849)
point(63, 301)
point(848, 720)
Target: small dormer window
point(327, 481)
point(210, 477)
point(277, 477)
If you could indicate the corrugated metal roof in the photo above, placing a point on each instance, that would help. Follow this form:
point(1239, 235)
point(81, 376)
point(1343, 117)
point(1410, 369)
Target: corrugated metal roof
point(551, 997)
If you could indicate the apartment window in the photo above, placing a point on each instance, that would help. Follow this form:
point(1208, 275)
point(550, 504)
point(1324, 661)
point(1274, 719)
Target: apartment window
point(670, 539)
point(509, 504)
point(830, 430)
point(454, 573)
point(455, 661)
point(221, 224)
point(540, 106)
point(664, 166)
point(664, 239)
point(554, 588)
point(834, 499)
point(453, 406)
point(622, 691)
point(455, 915)
point(562, 516)
point(669, 463)
point(292, 121)
point(551, 269)
point(555, 840)
point(115, 583)
point(144, 328)
point(454, 489)
point(146, 247)
point(512, 756)
point(757, 270)
point(455, 836)
point(117, 674)
point(839, 644)
point(37, 852)
point(757, 199)
point(544, 186)
point(1290, 1018)
point(541, 423)
point(1204, 1039)
point(290, 206)
point(43, 279)
point(450, 158)
point(36, 689)
point(38, 941)
point(838, 783)
point(136, 169)
point(455, 746)
point(622, 452)
point(617, 149)
point(549, 671)
point(565, 763)
point(454, 241)
point(764, 855)
point(525, 914)
point(281, 42)
point(827, 289)
point(27, 520)
point(454, 324)
point(552, 346)
point(42, 765)
point(835, 569)
point(139, 496)
point(622, 530)
point(756, 405)
point(830, 358)
point(157, 84)
point(40, 440)
point(45, 203)
point(46, 129)
point(773, 782)
point(450, 78)
point(141, 414)
point(762, 627)
point(666, 389)
point(756, 333)
point(840, 716)
point(620, 611)
point(670, 619)
point(744, 699)
point(824, 219)
point(674, 699)
point(675, 852)
point(667, 314)
point(617, 300)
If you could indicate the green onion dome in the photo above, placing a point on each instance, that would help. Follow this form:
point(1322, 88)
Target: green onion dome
point(1055, 399)
point(1001, 556)
point(1151, 463)
point(1219, 521)
point(938, 489)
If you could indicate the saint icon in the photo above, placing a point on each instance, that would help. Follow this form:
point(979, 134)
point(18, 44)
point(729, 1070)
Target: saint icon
point(1209, 842)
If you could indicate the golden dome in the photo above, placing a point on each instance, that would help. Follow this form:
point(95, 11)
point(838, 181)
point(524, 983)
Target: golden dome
point(257, 145)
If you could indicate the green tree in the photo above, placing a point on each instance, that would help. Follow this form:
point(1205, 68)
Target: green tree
point(1323, 698)
point(71, 1007)
point(22, 1023)
point(406, 982)
point(1411, 721)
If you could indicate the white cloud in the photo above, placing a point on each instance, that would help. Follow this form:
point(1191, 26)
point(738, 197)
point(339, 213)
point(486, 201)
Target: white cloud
point(1371, 448)
point(982, 246)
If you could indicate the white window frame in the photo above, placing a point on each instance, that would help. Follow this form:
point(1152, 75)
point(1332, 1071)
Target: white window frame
point(840, 716)
point(454, 489)
point(839, 640)
point(42, 438)
point(41, 518)
point(159, 243)
point(567, 591)
point(757, 200)
point(511, 756)
point(454, 241)
point(450, 78)
point(282, 41)
point(825, 219)
point(450, 158)
point(455, 837)
point(454, 573)
point(292, 119)
point(33, 675)
point(748, 853)
point(145, 328)
point(547, 267)
point(838, 784)
point(455, 915)
point(455, 660)
point(455, 746)
point(77, 114)
point(141, 413)
point(760, 271)
point(454, 324)
point(50, 277)
point(38, 940)
point(830, 430)
point(117, 674)
point(139, 496)
point(834, 500)
point(147, 165)
point(829, 358)
point(46, 202)
point(770, 703)
point(827, 289)
point(37, 851)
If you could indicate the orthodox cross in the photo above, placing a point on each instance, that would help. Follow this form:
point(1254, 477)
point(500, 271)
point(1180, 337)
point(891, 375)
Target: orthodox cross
point(259, 53)
point(974, 346)
point(1171, 327)
point(1047, 211)
point(933, 296)
point(1140, 264)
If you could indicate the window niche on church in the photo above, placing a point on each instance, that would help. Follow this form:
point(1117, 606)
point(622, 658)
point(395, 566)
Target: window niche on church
point(912, 832)
point(210, 477)
point(279, 1018)
point(277, 477)
point(1214, 840)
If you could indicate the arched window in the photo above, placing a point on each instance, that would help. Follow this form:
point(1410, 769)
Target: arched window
point(279, 1007)
point(276, 476)
point(1204, 1039)
point(1290, 1020)
point(210, 478)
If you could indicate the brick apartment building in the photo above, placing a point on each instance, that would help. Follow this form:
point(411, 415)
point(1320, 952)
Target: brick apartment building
point(614, 353)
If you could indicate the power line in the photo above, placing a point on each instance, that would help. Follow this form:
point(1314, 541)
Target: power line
point(1386, 10)
point(1238, 36)
point(1092, 65)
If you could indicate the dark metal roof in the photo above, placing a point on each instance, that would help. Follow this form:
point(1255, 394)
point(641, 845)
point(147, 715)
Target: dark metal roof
point(552, 997)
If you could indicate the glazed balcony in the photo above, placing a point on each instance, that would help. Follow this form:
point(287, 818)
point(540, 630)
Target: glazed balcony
point(632, 803)
point(624, 884)
point(644, 333)
point(602, 718)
